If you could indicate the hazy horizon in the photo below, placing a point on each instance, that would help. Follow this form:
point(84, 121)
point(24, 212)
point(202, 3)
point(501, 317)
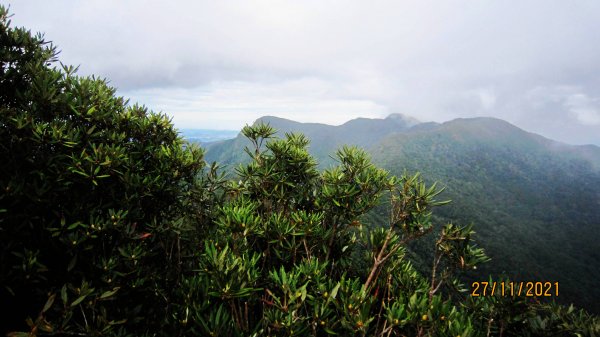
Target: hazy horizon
point(221, 65)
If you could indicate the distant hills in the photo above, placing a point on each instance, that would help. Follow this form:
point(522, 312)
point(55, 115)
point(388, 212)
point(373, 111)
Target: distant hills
point(325, 139)
point(535, 202)
point(207, 135)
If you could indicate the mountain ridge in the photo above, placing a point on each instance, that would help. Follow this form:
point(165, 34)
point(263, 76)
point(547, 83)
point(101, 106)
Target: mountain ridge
point(351, 133)
point(535, 202)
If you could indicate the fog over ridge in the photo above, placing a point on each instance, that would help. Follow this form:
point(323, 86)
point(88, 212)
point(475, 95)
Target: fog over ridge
point(224, 64)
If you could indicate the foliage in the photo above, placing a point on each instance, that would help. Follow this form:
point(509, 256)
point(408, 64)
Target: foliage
point(525, 195)
point(289, 247)
point(112, 225)
point(290, 256)
point(97, 198)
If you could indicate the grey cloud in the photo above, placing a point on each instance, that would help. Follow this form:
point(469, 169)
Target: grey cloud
point(523, 61)
point(585, 109)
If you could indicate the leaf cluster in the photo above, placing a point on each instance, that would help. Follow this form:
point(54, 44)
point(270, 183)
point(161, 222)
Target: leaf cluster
point(112, 225)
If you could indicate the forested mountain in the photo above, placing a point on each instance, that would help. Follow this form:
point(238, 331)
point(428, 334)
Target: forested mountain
point(112, 224)
point(534, 202)
point(325, 139)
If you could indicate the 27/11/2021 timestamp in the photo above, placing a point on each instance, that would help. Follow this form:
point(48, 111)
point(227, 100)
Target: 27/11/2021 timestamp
point(527, 289)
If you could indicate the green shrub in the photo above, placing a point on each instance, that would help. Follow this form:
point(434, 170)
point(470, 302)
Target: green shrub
point(97, 198)
point(289, 256)
point(111, 225)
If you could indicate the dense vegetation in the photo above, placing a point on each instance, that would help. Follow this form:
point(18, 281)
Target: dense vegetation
point(325, 139)
point(111, 225)
point(525, 195)
point(95, 197)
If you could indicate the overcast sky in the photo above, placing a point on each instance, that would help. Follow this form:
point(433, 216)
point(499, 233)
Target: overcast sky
point(222, 64)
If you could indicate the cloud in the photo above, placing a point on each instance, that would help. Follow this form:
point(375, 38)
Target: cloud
point(585, 109)
point(557, 112)
point(240, 103)
point(430, 59)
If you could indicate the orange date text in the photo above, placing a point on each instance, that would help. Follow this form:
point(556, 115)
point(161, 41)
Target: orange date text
point(526, 289)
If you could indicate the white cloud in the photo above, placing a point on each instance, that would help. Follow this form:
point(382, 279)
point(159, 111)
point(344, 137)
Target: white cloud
point(585, 109)
point(487, 98)
point(240, 103)
point(481, 100)
point(228, 61)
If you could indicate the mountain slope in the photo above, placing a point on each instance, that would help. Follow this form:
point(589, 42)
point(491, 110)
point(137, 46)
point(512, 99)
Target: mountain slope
point(535, 202)
point(325, 139)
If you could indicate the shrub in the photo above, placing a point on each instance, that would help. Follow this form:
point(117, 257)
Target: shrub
point(112, 225)
point(97, 198)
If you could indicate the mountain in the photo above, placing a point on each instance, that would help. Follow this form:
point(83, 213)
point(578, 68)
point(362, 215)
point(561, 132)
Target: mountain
point(535, 202)
point(325, 139)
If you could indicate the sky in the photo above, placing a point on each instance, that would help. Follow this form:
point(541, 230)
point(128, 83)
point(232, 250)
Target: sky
point(222, 64)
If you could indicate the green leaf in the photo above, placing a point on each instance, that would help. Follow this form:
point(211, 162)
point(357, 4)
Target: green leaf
point(329, 331)
point(49, 303)
point(72, 263)
point(413, 300)
point(334, 291)
point(63, 294)
point(78, 300)
point(117, 322)
point(80, 173)
point(109, 293)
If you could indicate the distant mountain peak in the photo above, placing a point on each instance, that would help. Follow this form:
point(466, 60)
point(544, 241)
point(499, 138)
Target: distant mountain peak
point(407, 120)
point(268, 119)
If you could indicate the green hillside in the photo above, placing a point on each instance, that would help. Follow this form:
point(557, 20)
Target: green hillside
point(112, 224)
point(325, 139)
point(534, 202)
